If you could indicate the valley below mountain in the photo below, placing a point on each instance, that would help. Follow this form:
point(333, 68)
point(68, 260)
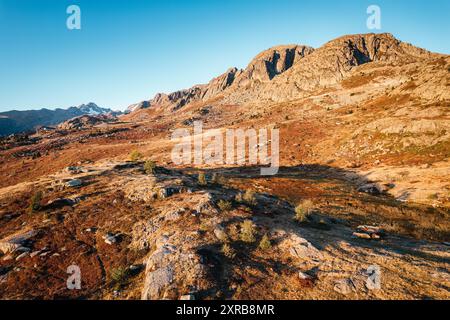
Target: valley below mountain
point(14, 122)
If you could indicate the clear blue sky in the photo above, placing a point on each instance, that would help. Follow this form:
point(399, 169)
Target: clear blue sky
point(128, 50)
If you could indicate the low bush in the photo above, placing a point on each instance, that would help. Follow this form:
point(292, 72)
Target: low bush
point(35, 202)
point(135, 156)
point(303, 210)
point(248, 231)
point(265, 243)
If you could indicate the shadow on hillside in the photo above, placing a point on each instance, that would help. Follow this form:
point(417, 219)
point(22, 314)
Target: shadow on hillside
point(336, 230)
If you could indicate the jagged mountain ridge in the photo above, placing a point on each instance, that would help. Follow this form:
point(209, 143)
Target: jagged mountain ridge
point(287, 72)
point(264, 67)
point(20, 121)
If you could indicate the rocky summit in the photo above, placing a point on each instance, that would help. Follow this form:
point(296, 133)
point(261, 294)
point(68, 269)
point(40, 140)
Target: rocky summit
point(358, 209)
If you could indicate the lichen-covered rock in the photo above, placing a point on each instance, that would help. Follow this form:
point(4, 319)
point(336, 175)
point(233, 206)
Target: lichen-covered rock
point(169, 265)
point(299, 247)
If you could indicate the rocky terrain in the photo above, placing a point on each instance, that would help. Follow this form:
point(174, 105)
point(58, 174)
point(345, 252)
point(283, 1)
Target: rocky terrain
point(24, 121)
point(363, 185)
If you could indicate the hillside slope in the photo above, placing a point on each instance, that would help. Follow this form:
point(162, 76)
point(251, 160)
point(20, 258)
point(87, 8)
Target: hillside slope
point(363, 185)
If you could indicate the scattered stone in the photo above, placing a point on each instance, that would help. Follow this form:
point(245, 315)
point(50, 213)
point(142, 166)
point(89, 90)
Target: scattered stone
point(303, 276)
point(15, 241)
point(59, 203)
point(7, 257)
point(156, 281)
point(35, 253)
point(74, 183)
point(300, 248)
point(174, 215)
point(345, 286)
point(369, 229)
point(362, 235)
point(368, 232)
point(22, 249)
point(371, 188)
point(74, 170)
point(220, 234)
point(135, 269)
point(22, 255)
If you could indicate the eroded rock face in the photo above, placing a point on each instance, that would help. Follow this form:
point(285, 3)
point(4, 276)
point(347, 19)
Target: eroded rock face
point(264, 67)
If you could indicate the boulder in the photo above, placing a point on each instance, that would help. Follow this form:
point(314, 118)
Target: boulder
point(74, 183)
point(15, 241)
point(156, 281)
point(301, 248)
point(371, 188)
point(59, 203)
point(368, 232)
point(303, 276)
point(22, 255)
point(345, 286)
point(74, 170)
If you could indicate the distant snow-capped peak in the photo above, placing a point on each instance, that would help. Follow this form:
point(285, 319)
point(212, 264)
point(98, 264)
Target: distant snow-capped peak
point(93, 109)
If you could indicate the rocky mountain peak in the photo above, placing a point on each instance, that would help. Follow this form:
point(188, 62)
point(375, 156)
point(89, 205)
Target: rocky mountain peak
point(287, 71)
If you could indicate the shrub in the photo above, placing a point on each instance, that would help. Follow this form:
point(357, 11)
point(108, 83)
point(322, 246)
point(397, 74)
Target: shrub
point(303, 210)
point(224, 205)
point(149, 167)
point(202, 179)
point(35, 203)
point(228, 251)
point(249, 197)
point(135, 156)
point(265, 243)
point(119, 277)
point(248, 231)
point(239, 197)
